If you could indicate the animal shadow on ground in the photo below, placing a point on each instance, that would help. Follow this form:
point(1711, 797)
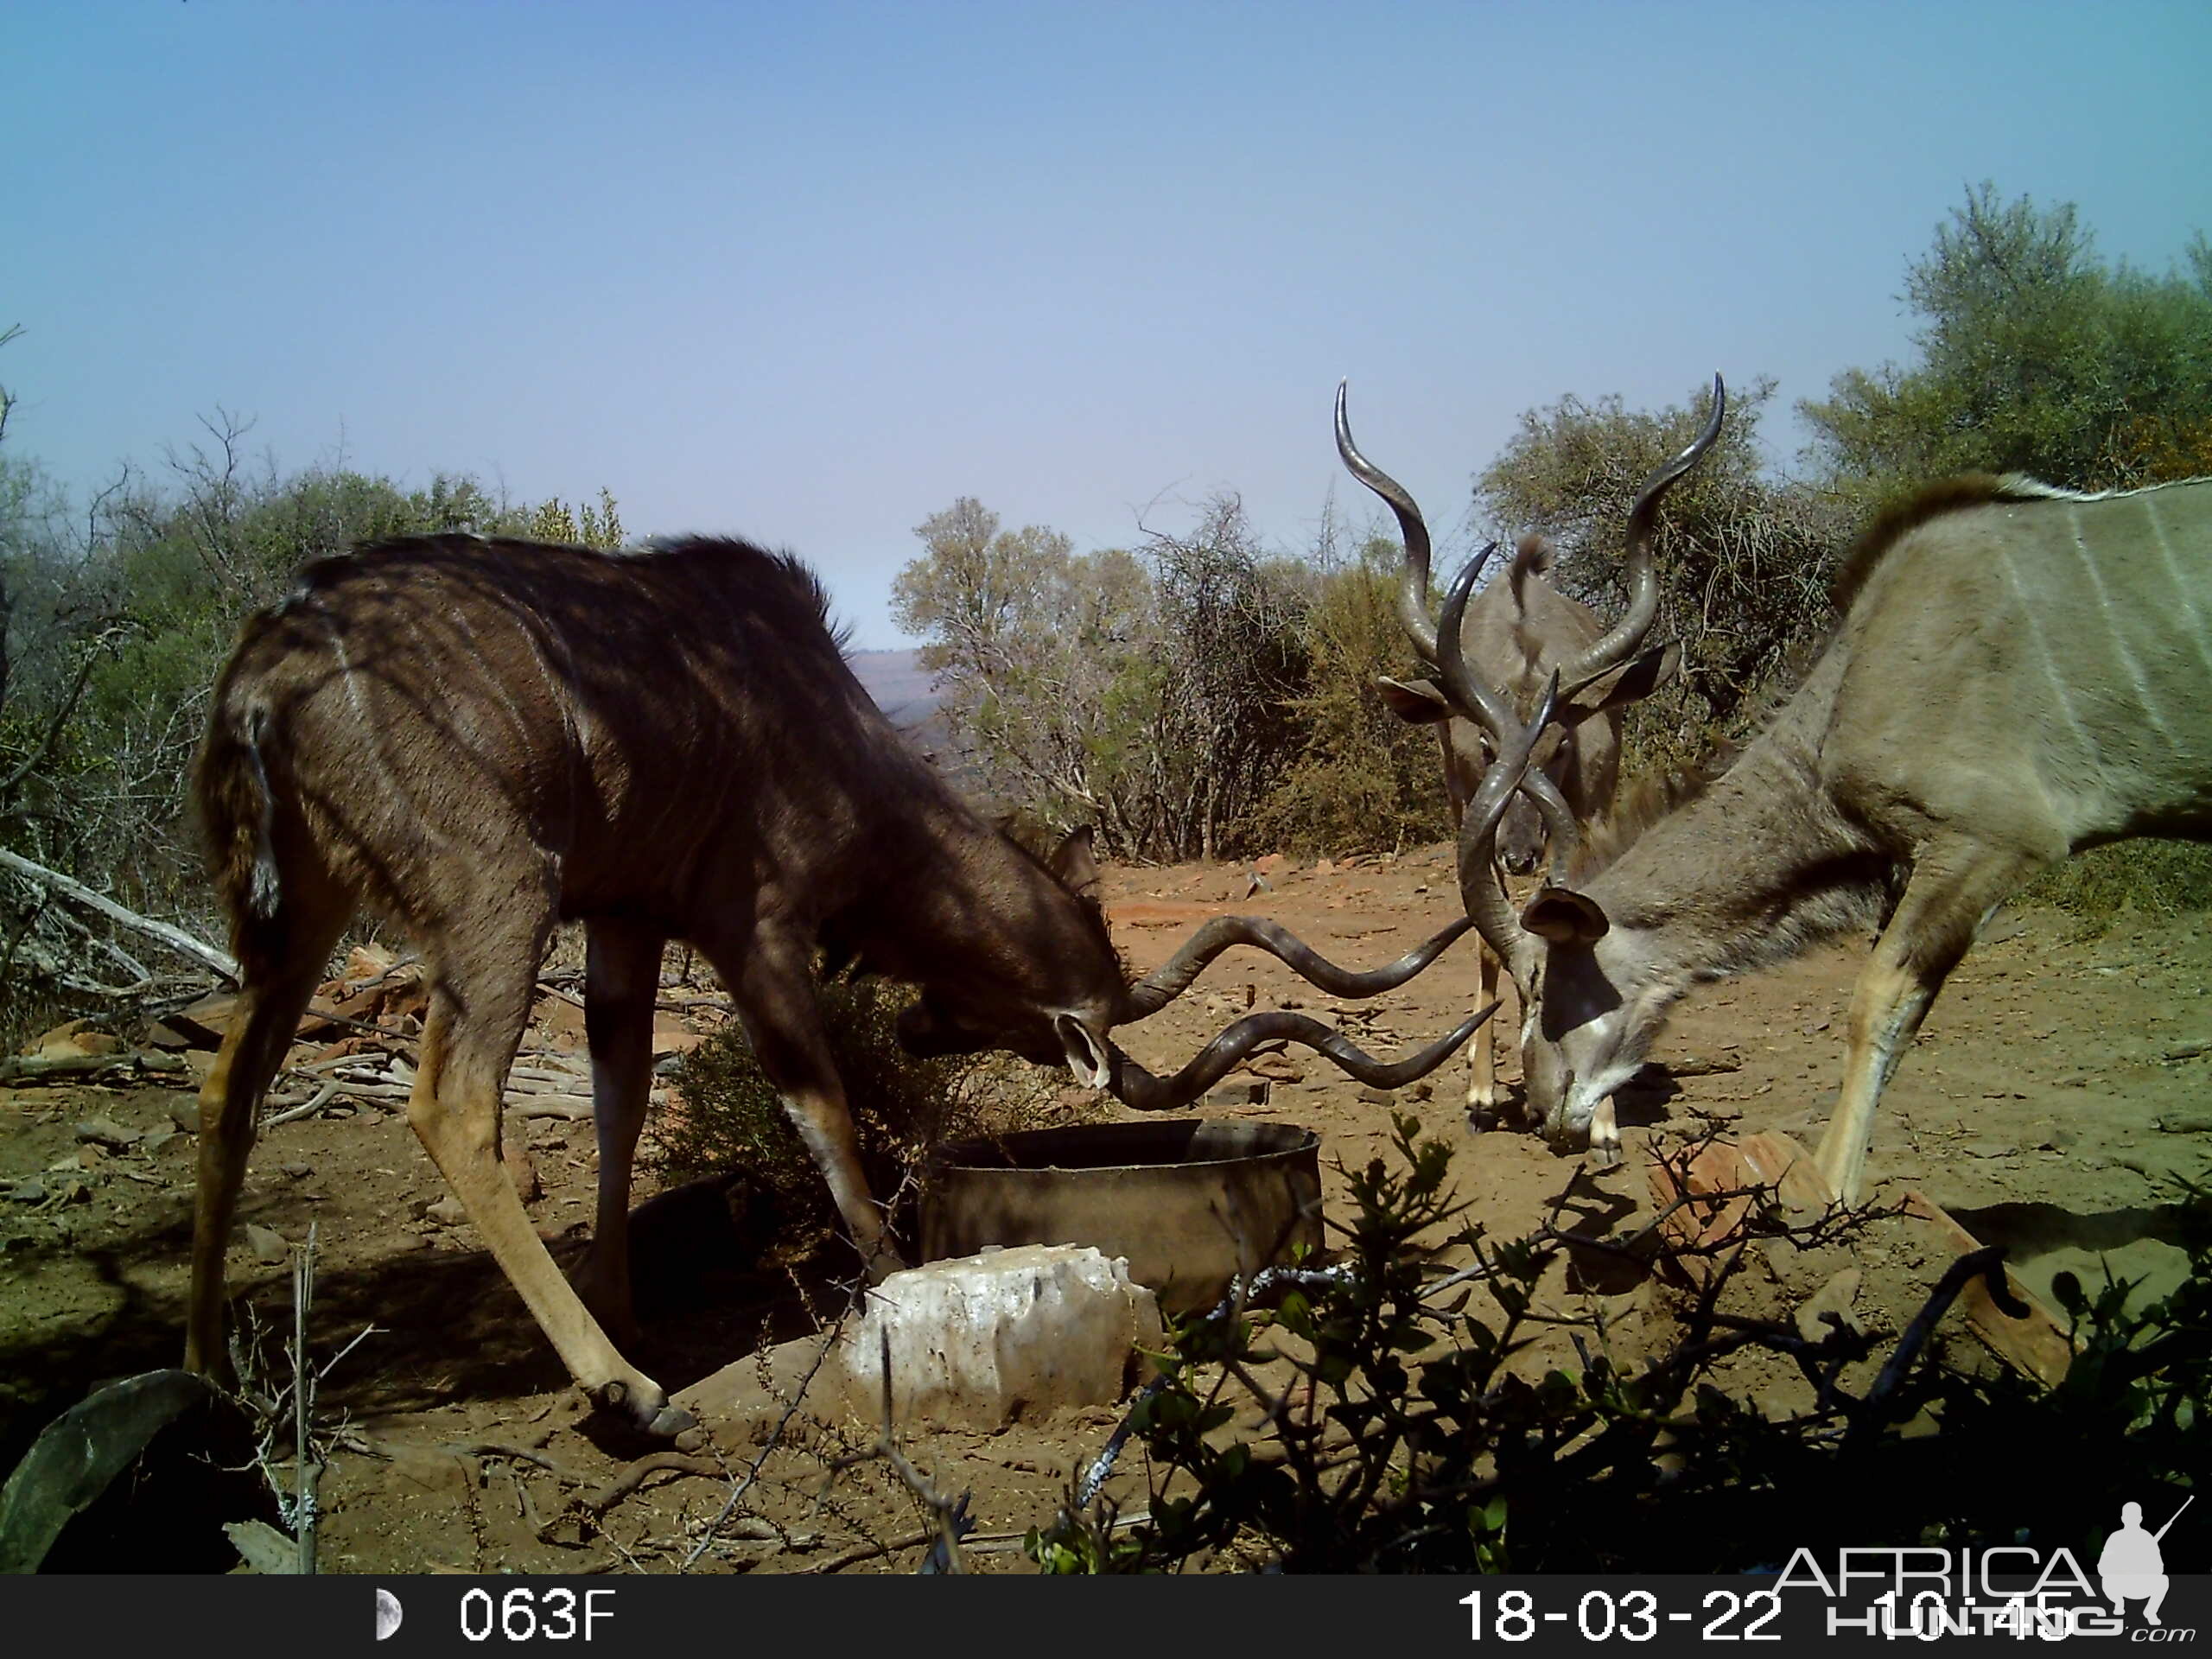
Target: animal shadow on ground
point(1588, 1219)
point(2028, 1230)
point(449, 1327)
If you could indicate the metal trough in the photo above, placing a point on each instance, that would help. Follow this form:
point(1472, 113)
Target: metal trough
point(1189, 1202)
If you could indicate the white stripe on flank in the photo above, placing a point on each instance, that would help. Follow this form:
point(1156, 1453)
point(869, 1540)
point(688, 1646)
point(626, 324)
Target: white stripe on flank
point(2183, 595)
point(2035, 631)
point(2145, 695)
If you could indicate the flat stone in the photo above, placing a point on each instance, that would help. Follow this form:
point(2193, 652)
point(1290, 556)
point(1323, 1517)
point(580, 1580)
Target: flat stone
point(1239, 1092)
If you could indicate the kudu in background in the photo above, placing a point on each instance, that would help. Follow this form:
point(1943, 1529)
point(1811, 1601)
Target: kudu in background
point(2020, 673)
point(1516, 635)
point(480, 739)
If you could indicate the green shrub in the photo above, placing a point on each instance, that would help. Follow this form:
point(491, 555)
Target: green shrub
point(2156, 878)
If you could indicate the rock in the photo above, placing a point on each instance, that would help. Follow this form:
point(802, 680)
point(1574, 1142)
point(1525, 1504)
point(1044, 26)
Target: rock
point(1834, 1296)
point(521, 1168)
point(296, 1172)
point(1374, 1096)
point(271, 1247)
point(448, 1211)
point(75, 1039)
point(1238, 1091)
point(32, 1190)
point(1691, 1066)
point(185, 1113)
point(100, 1132)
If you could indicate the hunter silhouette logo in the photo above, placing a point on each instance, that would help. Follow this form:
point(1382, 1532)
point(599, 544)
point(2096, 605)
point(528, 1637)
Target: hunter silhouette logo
point(2131, 1568)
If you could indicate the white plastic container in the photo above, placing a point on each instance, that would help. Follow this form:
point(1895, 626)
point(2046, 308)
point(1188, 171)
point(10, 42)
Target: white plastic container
point(981, 1340)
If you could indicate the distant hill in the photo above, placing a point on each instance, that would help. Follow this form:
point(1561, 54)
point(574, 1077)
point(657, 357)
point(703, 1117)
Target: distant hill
point(899, 683)
point(901, 688)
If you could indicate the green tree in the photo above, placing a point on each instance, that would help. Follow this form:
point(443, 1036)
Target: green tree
point(1743, 558)
point(2035, 356)
point(1048, 664)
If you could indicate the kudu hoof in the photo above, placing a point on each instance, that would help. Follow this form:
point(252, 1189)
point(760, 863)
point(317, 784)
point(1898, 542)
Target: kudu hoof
point(651, 1413)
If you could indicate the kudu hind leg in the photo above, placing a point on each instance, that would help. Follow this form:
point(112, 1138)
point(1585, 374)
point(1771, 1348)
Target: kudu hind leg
point(262, 1023)
point(1953, 887)
point(621, 983)
point(475, 1021)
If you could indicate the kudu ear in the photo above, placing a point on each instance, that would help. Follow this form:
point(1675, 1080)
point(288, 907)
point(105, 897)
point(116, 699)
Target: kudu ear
point(1086, 1053)
point(1565, 917)
point(1632, 682)
point(1075, 864)
point(1417, 704)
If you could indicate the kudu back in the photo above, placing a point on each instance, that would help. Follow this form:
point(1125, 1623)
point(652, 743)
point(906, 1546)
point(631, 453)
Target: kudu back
point(2020, 673)
point(479, 738)
point(1516, 635)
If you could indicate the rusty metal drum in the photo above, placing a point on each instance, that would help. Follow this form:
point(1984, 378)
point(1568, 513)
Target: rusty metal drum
point(1190, 1202)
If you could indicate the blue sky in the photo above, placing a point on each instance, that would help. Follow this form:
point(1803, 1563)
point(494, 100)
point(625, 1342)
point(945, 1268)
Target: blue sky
point(807, 273)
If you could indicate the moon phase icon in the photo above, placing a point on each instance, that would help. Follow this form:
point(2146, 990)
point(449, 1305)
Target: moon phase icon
point(388, 1614)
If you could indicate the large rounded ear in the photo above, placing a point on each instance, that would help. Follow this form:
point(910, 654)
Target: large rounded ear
point(1632, 682)
point(1076, 864)
point(1565, 917)
point(1087, 1056)
point(1417, 704)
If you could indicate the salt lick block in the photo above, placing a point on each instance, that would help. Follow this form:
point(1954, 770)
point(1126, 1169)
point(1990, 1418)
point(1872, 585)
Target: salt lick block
point(981, 1340)
point(975, 1341)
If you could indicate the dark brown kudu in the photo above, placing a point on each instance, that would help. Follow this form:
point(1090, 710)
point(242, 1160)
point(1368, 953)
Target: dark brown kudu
point(1516, 634)
point(480, 739)
point(2020, 673)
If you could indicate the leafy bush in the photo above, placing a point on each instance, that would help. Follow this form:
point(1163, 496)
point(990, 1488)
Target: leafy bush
point(1362, 780)
point(733, 1119)
point(1406, 1441)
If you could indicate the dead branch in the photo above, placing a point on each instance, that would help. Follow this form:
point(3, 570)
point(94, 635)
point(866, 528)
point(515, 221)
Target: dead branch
point(24, 1069)
point(636, 1474)
point(176, 937)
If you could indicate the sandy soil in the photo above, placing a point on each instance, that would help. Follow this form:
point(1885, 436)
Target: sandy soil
point(2040, 1082)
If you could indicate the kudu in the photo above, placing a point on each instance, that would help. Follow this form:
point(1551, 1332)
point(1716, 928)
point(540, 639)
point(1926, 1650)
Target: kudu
point(2019, 673)
point(479, 738)
point(1516, 634)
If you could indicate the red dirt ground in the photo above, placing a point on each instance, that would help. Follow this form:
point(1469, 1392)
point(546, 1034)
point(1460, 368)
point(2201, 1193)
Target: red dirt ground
point(2043, 1078)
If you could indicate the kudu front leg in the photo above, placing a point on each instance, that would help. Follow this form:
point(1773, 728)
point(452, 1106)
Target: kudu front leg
point(1953, 887)
point(772, 983)
point(1481, 1053)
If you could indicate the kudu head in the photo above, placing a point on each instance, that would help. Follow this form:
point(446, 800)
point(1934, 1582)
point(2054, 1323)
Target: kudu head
point(1518, 633)
point(1071, 1024)
point(1581, 1037)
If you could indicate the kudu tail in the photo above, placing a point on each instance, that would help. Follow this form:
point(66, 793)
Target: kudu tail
point(238, 814)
